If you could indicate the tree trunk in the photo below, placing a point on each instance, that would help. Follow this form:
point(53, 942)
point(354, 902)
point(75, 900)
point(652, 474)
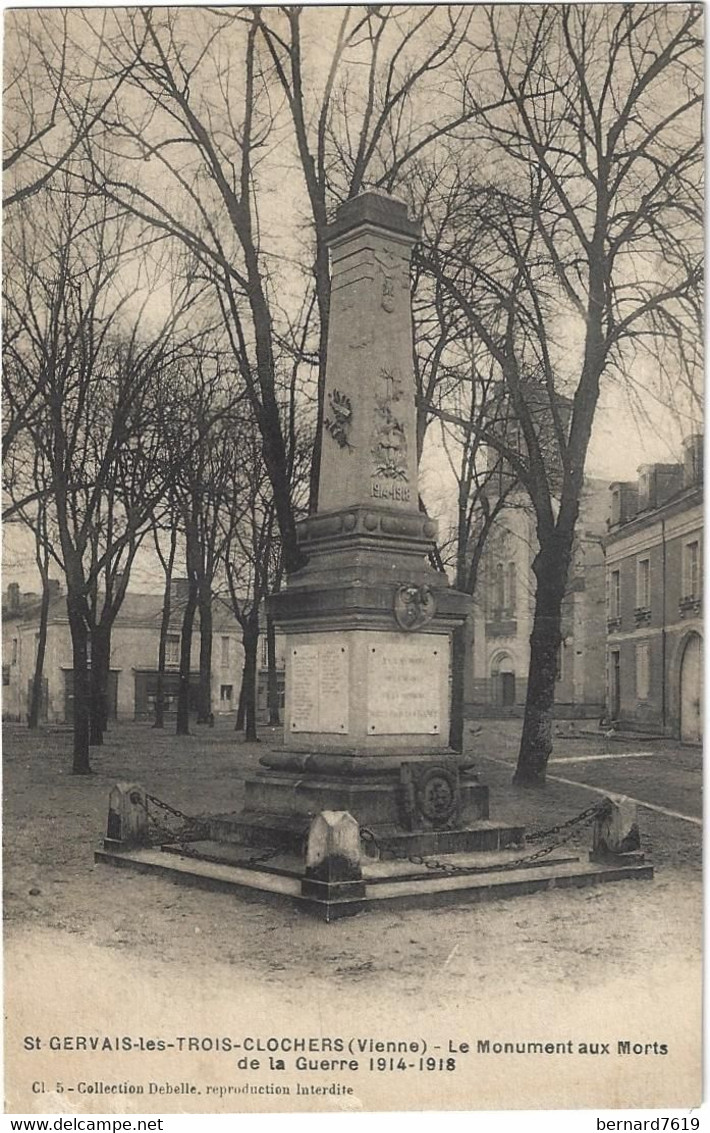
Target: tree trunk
point(162, 649)
point(536, 740)
point(98, 682)
point(241, 707)
point(36, 697)
point(164, 625)
point(250, 638)
point(183, 704)
point(272, 693)
point(204, 710)
point(79, 636)
point(458, 674)
point(268, 413)
point(322, 274)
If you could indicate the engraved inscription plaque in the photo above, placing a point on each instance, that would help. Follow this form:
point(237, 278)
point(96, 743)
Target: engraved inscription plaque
point(319, 688)
point(405, 681)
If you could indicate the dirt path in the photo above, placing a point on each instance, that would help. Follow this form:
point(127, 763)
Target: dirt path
point(96, 945)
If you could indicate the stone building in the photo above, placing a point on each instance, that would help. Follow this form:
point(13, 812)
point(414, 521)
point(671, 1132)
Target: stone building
point(503, 614)
point(654, 555)
point(134, 652)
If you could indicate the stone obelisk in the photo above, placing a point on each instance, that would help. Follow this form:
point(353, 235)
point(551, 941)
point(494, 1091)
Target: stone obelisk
point(368, 621)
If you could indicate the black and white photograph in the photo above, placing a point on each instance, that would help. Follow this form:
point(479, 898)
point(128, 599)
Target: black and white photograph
point(352, 569)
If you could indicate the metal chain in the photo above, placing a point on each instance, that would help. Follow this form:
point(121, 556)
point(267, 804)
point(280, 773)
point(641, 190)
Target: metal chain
point(191, 829)
point(591, 812)
point(258, 859)
point(584, 818)
point(195, 830)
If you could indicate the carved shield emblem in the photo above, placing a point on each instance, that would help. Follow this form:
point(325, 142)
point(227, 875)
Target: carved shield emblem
point(414, 606)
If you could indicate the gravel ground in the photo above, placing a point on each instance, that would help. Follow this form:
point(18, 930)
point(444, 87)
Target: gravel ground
point(619, 954)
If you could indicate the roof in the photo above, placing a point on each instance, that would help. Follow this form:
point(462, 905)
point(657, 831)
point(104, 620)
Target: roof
point(140, 611)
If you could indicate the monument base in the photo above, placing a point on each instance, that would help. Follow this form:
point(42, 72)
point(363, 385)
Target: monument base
point(424, 804)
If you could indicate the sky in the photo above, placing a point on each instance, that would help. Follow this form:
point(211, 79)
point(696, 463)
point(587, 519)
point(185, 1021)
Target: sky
point(621, 440)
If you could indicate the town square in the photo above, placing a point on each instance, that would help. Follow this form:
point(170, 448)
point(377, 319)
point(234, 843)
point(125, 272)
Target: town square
point(353, 557)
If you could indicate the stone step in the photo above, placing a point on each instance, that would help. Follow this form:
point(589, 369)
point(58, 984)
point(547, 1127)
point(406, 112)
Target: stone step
point(376, 872)
point(441, 890)
point(259, 828)
point(478, 837)
point(401, 892)
point(235, 854)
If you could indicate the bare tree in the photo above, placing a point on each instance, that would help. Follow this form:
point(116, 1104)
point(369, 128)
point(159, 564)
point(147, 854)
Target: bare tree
point(587, 193)
point(50, 103)
point(218, 136)
point(84, 343)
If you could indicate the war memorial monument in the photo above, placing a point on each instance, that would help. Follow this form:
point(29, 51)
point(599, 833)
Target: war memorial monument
point(365, 802)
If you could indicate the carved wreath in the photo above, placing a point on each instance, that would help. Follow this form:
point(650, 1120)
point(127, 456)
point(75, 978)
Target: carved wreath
point(342, 416)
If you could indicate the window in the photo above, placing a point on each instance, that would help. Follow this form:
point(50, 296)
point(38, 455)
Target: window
point(499, 587)
point(615, 594)
point(14, 651)
point(558, 662)
point(643, 670)
point(225, 693)
point(225, 652)
point(264, 652)
point(511, 588)
point(691, 570)
point(172, 649)
point(503, 588)
point(643, 584)
point(6, 674)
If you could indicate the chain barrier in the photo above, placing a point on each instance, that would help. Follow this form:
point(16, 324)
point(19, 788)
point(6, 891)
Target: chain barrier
point(266, 854)
point(194, 829)
point(591, 812)
point(191, 829)
point(435, 865)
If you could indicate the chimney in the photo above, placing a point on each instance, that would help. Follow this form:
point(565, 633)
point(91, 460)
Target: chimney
point(669, 480)
point(13, 598)
point(624, 502)
point(179, 589)
point(693, 460)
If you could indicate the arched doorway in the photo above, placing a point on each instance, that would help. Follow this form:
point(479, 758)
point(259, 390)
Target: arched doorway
point(691, 690)
point(503, 681)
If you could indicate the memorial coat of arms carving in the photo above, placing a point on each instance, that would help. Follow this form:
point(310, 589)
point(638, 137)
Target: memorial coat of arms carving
point(430, 795)
point(414, 606)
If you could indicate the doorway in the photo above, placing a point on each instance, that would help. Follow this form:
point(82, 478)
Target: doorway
point(503, 681)
point(691, 691)
point(614, 684)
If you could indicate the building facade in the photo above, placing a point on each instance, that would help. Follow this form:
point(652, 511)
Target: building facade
point(133, 673)
point(654, 581)
point(504, 606)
